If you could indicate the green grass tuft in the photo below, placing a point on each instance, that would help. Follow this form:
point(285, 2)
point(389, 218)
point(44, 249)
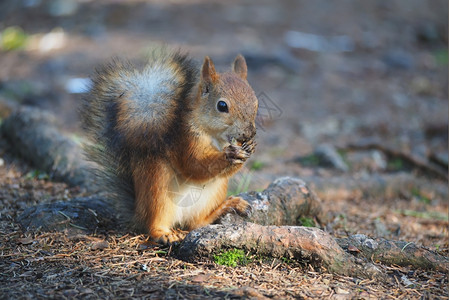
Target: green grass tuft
point(307, 222)
point(231, 258)
point(257, 165)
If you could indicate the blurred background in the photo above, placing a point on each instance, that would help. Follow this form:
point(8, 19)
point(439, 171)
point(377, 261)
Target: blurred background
point(336, 72)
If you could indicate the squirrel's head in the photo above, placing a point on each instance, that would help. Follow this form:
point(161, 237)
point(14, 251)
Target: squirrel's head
point(228, 104)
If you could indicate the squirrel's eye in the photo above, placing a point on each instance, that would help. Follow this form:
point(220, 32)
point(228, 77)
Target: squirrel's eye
point(222, 106)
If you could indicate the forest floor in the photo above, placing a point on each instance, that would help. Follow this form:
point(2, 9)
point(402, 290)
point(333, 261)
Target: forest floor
point(376, 75)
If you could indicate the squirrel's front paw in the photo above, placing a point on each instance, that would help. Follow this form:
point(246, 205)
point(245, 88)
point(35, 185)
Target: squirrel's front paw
point(249, 146)
point(236, 154)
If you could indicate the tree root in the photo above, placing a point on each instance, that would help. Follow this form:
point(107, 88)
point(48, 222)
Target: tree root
point(284, 202)
point(394, 252)
point(34, 134)
point(306, 244)
point(84, 215)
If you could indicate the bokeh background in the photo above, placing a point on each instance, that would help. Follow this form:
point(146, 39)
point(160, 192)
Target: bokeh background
point(325, 71)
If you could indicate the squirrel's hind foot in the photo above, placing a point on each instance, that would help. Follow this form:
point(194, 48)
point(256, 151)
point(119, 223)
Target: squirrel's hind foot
point(173, 236)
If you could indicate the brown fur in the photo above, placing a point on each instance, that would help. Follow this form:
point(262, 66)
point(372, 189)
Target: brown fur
point(165, 149)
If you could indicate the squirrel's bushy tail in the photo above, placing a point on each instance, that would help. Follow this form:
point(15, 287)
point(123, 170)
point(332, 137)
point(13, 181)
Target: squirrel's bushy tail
point(118, 115)
point(97, 114)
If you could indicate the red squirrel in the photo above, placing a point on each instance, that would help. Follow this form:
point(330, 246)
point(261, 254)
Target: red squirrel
point(167, 137)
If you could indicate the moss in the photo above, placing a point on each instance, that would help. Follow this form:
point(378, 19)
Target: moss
point(287, 260)
point(307, 222)
point(437, 247)
point(231, 258)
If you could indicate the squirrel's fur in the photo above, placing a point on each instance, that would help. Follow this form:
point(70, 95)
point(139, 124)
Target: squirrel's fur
point(162, 142)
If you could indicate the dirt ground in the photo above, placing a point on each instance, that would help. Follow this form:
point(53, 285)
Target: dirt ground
point(339, 73)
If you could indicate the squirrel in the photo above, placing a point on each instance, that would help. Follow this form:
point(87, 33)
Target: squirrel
point(168, 135)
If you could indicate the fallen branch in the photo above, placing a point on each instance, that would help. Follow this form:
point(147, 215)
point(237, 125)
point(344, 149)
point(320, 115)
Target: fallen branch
point(35, 135)
point(394, 252)
point(284, 202)
point(77, 215)
point(307, 244)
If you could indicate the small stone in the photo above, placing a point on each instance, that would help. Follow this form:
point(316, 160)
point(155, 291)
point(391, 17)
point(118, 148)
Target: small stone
point(314, 131)
point(201, 277)
point(61, 8)
point(249, 293)
point(25, 241)
point(380, 161)
point(407, 281)
point(100, 245)
point(352, 248)
point(70, 293)
point(371, 244)
point(372, 160)
point(329, 156)
point(85, 291)
point(427, 32)
point(339, 290)
point(422, 86)
point(381, 229)
point(398, 59)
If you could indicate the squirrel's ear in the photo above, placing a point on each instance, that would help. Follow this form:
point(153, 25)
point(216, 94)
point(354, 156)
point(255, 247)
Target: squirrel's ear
point(239, 66)
point(208, 73)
